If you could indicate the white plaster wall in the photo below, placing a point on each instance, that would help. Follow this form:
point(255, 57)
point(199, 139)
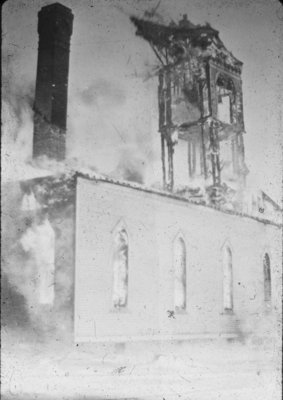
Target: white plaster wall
point(152, 222)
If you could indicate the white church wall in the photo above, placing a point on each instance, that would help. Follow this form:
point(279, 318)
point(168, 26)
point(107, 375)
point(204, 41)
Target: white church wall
point(152, 223)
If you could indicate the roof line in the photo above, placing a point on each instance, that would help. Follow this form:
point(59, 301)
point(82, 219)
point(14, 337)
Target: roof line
point(278, 208)
point(158, 192)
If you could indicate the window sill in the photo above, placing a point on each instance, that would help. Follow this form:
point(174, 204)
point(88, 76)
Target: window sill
point(181, 312)
point(119, 310)
point(228, 312)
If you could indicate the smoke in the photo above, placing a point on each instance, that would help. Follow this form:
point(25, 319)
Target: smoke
point(17, 117)
point(104, 93)
point(17, 93)
point(19, 99)
point(117, 133)
point(15, 271)
point(36, 239)
point(17, 124)
point(105, 114)
point(104, 133)
point(120, 146)
point(131, 166)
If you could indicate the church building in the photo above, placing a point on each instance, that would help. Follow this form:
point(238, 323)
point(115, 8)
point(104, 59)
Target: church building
point(105, 259)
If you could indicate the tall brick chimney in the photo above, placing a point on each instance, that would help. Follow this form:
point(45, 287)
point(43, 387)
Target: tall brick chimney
point(55, 23)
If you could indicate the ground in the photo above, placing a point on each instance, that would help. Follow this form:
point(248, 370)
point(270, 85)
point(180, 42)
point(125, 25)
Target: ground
point(44, 370)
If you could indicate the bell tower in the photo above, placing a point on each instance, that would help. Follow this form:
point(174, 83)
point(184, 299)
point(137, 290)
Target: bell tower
point(200, 107)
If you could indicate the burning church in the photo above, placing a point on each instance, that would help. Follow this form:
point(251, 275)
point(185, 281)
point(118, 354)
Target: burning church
point(114, 260)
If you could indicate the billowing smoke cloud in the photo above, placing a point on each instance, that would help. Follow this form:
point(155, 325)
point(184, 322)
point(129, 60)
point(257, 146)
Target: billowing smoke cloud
point(17, 118)
point(131, 166)
point(114, 116)
point(103, 92)
point(108, 106)
point(38, 294)
point(19, 97)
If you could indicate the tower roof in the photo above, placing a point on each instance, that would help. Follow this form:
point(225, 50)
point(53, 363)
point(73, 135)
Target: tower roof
point(162, 35)
point(201, 36)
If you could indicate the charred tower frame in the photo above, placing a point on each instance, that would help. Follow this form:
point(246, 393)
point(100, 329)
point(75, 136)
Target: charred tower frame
point(197, 76)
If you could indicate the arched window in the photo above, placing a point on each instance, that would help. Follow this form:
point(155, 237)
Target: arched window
point(267, 279)
point(120, 269)
point(227, 279)
point(225, 99)
point(180, 274)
